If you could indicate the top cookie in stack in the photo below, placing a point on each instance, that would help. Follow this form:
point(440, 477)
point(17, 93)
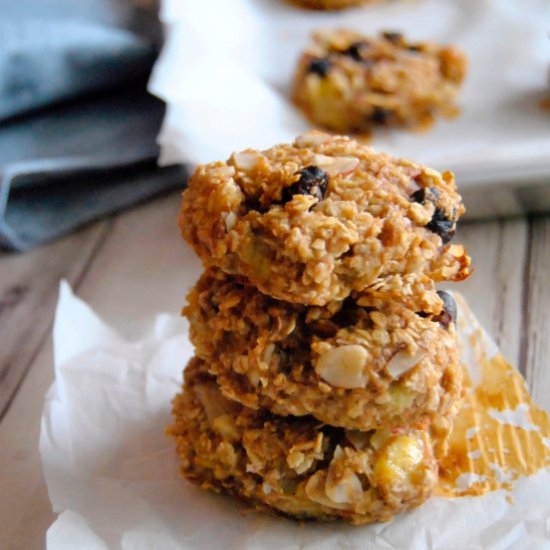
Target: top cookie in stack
point(323, 218)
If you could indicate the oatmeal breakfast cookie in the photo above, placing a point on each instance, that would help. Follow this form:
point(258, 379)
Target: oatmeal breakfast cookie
point(298, 466)
point(346, 364)
point(350, 83)
point(312, 221)
point(331, 4)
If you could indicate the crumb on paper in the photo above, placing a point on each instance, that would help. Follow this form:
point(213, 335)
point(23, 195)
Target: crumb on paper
point(467, 479)
point(500, 475)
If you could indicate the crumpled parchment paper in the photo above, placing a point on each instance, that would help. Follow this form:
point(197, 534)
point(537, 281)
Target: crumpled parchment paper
point(227, 67)
point(112, 474)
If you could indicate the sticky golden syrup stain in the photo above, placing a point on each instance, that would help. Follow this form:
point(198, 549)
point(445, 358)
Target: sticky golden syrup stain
point(489, 453)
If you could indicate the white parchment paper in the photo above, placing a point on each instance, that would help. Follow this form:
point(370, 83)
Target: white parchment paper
point(227, 67)
point(112, 474)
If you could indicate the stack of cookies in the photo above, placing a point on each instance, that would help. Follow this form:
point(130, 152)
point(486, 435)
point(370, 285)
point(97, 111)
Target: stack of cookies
point(326, 374)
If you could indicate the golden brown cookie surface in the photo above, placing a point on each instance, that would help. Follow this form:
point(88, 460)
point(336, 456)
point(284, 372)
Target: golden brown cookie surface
point(298, 467)
point(350, 83)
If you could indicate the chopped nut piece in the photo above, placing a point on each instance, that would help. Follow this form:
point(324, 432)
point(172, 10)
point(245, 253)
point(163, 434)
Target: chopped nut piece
point(403, 362)
point(335, 166)
point(230, 221)
point(312, 138)
point(342, 485)
point(344, 366)
point(246, 160)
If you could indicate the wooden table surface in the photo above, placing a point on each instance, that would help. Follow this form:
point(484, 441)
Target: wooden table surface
point(134, 264)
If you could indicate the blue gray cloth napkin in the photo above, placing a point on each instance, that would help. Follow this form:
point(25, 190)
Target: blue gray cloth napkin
point(77, 126)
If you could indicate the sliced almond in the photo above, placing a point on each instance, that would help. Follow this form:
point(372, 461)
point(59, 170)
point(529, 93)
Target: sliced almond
point(456, 250)
point(299, 462)
point(358, 439)
point(315, 490)
point(312, 138)
point(402, 362)
point(230, 221)
point(246, 160)
point(343, 367)
point(225, 171)
point(344, 165)
point(335, 166)
point(342, 486)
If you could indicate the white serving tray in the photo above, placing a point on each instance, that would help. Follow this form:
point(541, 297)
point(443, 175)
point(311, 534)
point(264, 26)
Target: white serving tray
point(227, 67)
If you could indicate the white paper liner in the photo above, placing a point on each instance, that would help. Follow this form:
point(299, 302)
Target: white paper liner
point(227, 67)
point(112, 474)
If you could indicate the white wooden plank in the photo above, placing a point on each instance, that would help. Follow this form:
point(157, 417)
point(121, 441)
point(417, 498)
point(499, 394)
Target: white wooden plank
point(495, 288)
point(537, 338)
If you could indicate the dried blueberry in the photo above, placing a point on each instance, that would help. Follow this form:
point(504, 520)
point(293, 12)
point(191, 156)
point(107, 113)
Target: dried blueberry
point(395, 37)
point(354, 50)
point(313, 181)
point(253, 203)
point(419, 196)
point(319, 66)
point(349, 314)
point(423, 194)
point(380, 115)
point(442, 226)
point(448, 313)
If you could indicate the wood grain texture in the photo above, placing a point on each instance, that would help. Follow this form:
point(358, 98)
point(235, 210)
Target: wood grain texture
point(28, 286)
point(495, 288)
point(144, 268)
point(25, 509)
point(140, 269)
point(28, 293)
point(536, 349)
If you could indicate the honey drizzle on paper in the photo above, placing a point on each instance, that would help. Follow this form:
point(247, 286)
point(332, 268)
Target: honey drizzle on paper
point(486, 453)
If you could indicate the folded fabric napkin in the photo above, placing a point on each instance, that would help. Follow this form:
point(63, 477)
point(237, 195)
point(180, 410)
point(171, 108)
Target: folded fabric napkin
point(77, 126)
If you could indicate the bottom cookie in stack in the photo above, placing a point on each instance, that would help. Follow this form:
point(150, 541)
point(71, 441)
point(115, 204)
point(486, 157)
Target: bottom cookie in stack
point(300, 466)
